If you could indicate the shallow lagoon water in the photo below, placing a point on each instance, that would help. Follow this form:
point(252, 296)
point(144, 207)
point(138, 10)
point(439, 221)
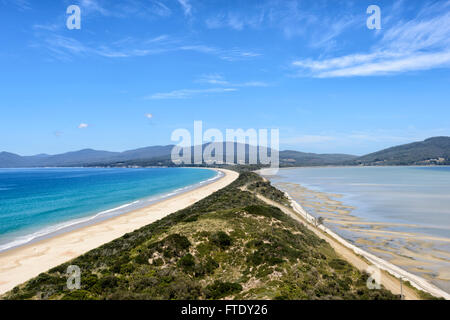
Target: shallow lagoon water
point(401, 214)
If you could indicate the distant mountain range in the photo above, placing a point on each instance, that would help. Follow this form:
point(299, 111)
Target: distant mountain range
point(431, 151)
point(83, 157)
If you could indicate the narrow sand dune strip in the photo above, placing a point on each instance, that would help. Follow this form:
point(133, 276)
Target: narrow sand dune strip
point(23, 263)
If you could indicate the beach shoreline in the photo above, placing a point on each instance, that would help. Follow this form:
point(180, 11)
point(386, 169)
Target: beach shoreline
point(25, 262)
point(101, 215)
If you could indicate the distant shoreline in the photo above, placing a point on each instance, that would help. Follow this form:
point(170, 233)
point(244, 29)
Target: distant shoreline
point(25, 262)
point(212, 167)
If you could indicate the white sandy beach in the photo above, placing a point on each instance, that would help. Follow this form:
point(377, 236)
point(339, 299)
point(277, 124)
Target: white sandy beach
point(23, 263)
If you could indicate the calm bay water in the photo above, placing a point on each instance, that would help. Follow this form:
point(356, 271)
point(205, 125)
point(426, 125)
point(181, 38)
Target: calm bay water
point(35, 203)
point(401, 214)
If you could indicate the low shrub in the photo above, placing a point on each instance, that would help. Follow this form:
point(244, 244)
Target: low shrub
point(187, 263)
point(220, 289)
point(221, 239)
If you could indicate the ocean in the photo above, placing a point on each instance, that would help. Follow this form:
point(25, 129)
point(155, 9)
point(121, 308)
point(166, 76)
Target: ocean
point(401, 214)
point(38, 203)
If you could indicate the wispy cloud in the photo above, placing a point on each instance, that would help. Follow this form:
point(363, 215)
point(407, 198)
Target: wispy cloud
point(19, 4)
point(125, 8)
point(293, 18)
point(143, 9)
point(419, 44)
point(380, 66)
point(217, 79)
point(252, 84)
point(233, 54)
point(325, 38)
point(47, 27)
point(52, 35)
point(308, 139)
point(188, 93)
point(83, 126)
point(235, 20)
point(65, 48)
point(364, 140)
point(187, 7)
point(237, 54)
point(161, 9)
point(214, 78)
point(91, 6)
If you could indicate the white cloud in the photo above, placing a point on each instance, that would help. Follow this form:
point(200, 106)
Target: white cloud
point(161, 9)
point(325, 37)
point(293, 18)
point(188, 93)
point(127, 8)
point(60, 44)
point(65, 48)
point(124, 8)
point(364, 141)
point(187, 7)
point(253, 84)
point(233, 54)
point(235, 20)
point(340, 62)
point(20, 4)
point(419, 44)
point(307, 139)
point(217, 79)
point(90, 6)
point(83, 126)
point(47, 27)
point(237, 54)
point(214, 78)
point(199, 48)
point(406, 63)
point(149, 116)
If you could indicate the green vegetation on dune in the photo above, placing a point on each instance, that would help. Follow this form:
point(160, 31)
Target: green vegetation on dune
point(228, 245)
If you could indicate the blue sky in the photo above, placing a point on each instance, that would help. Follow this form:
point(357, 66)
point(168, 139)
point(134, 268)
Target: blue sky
point(310, 68)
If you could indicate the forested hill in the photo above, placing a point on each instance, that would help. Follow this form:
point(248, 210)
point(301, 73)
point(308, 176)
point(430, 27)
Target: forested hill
point(430, 151)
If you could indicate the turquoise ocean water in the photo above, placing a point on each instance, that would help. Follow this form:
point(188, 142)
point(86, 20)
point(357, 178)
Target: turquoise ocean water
point(36, 203)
